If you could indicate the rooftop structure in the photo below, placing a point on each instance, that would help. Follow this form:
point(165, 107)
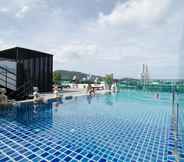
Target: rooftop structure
point(21, 69)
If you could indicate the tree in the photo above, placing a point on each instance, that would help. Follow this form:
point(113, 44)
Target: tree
point(109, 80)
point(57, 77)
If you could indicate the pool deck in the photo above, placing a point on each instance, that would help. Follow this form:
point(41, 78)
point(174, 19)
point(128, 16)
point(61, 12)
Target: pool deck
point(66, 93)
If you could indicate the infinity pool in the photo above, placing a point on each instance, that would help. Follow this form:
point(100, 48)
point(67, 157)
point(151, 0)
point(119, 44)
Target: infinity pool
point(129, 126)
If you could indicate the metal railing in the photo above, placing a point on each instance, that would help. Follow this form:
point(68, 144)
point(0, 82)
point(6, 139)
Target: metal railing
point(7, 78)
point(22, 91)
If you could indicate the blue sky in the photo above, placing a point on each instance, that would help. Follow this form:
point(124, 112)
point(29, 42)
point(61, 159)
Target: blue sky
point(99, 36)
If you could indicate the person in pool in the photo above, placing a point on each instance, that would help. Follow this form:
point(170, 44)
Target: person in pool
point(157, 96)
point(90, 90)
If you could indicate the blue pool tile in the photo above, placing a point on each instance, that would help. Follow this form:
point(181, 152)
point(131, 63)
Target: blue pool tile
point(85, 160)
point(73, 160)
point(43, 161)
point(50, 157)
point(45, 154)
point(47, 148)
point(67, 159)
point(35, 149)
point(78, 157)
point(62, 156)
point(31, 156)
point(52, 151)
point(89, 155)
point(57, 153)
point(55, 160)
point(4, 159)
point(68, 152)
point(58, 147)
point(18, 158)
point(181, 160)
point(78, 150)
point(94, 132)
point(24, 160)
point(73, 154)
point(115, 160)
point(102, 160)
point(181, 156)
point(36, 159)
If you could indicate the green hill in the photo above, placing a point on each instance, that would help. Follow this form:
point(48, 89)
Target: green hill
point(68, 75)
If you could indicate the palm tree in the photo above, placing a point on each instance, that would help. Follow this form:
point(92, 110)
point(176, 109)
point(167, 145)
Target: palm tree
point(109, 80)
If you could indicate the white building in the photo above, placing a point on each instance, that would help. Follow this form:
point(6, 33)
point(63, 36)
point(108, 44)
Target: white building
point(145, 74)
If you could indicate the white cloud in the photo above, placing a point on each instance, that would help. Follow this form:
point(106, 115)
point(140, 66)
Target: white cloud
point(120, 41)
point(19, 8)
point(75, 52)
point(140, 31)
point(140, 12)
point(4, 10)
point(22, 11)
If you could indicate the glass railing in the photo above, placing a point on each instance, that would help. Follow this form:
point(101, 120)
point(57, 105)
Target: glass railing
point(158, 86)
point(180, 126)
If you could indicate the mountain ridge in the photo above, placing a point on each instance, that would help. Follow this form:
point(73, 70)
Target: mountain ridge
point(69, 74)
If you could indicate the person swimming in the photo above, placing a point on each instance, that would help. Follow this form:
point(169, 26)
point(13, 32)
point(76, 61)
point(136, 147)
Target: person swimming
point(157, 96)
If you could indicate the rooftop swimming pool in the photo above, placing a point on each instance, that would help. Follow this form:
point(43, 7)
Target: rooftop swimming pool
point(129, 126)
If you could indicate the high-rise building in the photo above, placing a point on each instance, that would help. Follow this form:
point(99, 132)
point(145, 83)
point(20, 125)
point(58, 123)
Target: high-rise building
point(145, 74)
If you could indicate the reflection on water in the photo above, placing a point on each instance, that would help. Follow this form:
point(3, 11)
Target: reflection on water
point(28, 113)
point(89, 98)
point(109, 99)
point(58, 103)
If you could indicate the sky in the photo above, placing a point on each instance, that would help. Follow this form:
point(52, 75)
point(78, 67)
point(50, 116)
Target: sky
point(100, 36)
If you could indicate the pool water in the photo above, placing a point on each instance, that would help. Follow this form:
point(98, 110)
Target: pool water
point(129, 126)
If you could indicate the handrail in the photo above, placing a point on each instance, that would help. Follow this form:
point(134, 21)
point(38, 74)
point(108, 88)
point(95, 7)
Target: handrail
point(26, 88)
point(7, 76)
point(23, 88)
point(6, 83)
point(1, 67)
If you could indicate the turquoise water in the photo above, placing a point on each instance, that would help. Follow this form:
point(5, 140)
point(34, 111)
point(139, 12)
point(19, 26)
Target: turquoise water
point(127, 126)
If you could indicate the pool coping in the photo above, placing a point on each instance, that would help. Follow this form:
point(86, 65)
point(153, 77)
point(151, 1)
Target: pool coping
point(50, 96)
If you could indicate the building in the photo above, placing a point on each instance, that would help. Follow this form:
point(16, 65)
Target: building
point(145, 74)
point(21, 69)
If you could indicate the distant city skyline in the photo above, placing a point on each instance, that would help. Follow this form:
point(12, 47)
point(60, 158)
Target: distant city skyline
point(100, 36)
